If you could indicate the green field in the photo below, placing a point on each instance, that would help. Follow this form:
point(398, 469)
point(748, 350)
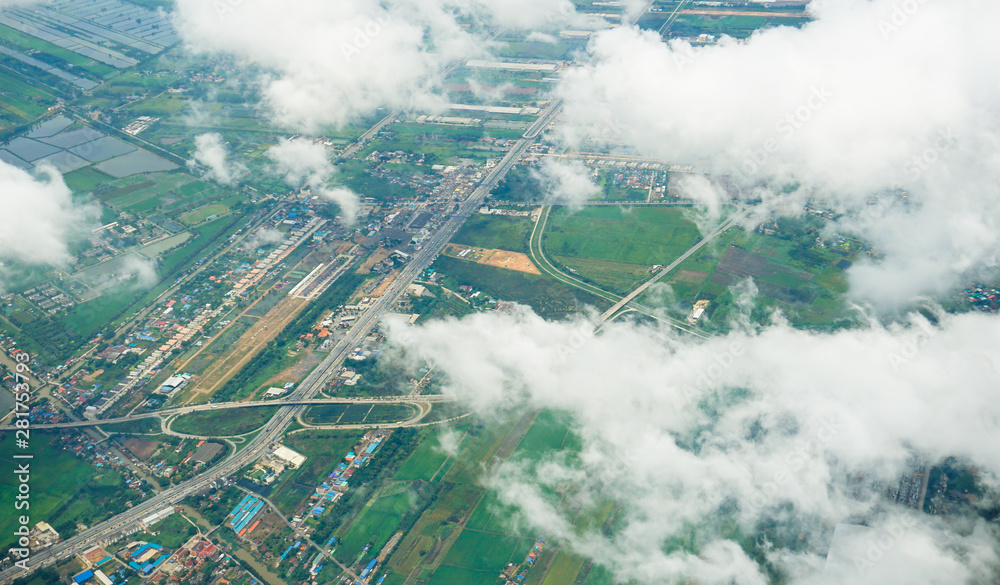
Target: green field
point(20, 102)
point(564, 570)
point(223, 423)
point(735, 26)
point(640, 235)
point(325, 413)
point(377, 522)
point(616, 277)
point(27, 43)
point(428, 459)
point(493, 517)
point(801, 279)
point(484, 551)
point(448, 575)
point(548, 297)
point(495, 232)
point(56, 477)
point(202, 213)
point(548, 433)
point(63, 487)
point(86, 179)
point(358, 413)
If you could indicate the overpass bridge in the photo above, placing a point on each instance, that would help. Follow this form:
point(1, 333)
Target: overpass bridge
point(171, 412)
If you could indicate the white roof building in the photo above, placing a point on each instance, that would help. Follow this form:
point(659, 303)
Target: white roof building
point(285, 454)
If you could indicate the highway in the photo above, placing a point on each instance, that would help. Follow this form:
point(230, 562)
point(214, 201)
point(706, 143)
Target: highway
point(115, 527)
point(170, 412)
point(368, 135)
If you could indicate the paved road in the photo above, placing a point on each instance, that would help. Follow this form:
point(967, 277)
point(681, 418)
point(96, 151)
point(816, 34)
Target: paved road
point(732, 221)
point(125, 522)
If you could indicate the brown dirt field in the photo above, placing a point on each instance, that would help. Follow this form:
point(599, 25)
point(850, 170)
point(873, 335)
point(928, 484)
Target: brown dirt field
point(93, 376)
point(511, 261)
point(141, 448)
point(342, 247)
point(692, 276)
point(384, 285)
point(475, 255)
point(295, 372)
point(247, 346)
point(497, 258)
point(269, 524)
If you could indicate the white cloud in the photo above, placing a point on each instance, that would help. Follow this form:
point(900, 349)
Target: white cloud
point(211, 153)
point(40, 216)
point(332, 62)
point(845, 106)
point(535, 14)
point(566, 181)
point(303, 162)
point(708, 199)
point(755, 426)
point(540, 37)
point(346, 199)
point(142, 269)
point(448, 441)
point(261, 238)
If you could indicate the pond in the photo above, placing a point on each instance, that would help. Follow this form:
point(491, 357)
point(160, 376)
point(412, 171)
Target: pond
point(133, 163)
point(50, 127)
point(102, 149)
point(72, 138)
point(29, 149)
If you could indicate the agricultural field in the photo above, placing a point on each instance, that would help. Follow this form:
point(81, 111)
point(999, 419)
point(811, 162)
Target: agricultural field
point(467, 533)
point(223, 423)
point(482, 552)
point(495, 232)
point(378, 520)
point(732, 24)
point(639, 235)
point(429, 460)
point(358, 413)
point(63, 486)
point(21, 102)
point(790, 271)
point(56, 478)
point(446, 144)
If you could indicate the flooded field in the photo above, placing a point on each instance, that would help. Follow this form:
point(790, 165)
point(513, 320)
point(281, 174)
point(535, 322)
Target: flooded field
point(133, 163)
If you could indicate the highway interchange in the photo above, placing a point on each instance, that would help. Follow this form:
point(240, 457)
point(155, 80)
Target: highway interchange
point(300, 399)
point(126, 522)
